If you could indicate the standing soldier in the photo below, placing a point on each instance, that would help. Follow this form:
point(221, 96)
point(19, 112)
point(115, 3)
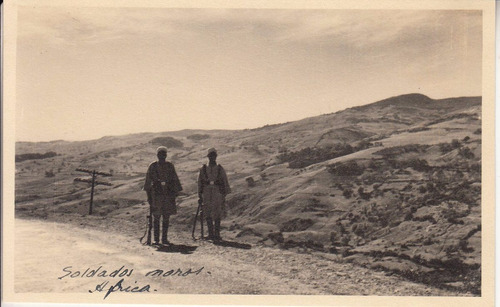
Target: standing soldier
point(213, 187)
point(162, 186)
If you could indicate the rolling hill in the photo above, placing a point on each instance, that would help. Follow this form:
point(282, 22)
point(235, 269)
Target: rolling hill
point(394, 185)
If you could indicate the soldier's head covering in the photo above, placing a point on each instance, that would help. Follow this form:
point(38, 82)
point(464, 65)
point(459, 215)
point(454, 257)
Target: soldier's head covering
point(211, 150)
point(161, 148)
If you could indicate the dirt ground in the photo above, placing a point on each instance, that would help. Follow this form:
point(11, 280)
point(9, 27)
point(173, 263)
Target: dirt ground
point(71, 253)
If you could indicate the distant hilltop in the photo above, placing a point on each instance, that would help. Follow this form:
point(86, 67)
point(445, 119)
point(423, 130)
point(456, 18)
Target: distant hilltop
point(421, 101)
point(410, 102)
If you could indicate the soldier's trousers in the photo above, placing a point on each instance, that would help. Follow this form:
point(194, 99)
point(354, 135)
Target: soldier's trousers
point(164, 228)
point(213, 230)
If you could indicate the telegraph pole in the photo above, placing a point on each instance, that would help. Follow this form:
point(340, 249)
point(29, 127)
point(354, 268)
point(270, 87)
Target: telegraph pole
point(92, 193)
point(93, 182)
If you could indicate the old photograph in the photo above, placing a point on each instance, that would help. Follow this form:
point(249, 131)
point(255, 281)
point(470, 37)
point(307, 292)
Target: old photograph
point(198, 153)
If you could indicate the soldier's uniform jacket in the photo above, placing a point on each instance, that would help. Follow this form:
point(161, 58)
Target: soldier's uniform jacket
point(213, 186)
point(163, 185)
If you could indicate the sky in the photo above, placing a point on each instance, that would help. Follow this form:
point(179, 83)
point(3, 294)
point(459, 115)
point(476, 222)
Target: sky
point(84, 73)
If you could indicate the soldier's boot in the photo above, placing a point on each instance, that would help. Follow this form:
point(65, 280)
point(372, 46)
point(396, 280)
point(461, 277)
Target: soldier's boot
point(210, 225)
point(164, 230)
point(156, 229)
point(217, 230)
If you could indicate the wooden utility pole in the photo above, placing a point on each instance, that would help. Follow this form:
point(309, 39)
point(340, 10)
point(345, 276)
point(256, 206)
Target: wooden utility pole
point(93, 182)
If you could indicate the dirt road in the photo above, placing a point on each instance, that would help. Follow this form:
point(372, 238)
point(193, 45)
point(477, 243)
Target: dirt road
point(55, 257)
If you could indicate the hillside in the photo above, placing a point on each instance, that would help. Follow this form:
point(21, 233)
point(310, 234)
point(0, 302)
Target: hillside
point(394, 185)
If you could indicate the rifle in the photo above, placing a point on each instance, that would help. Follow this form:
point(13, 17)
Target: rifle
point(149, 218)
point(199, 211)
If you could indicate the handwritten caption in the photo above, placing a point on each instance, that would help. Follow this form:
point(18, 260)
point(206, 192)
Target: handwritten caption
point(123, 276)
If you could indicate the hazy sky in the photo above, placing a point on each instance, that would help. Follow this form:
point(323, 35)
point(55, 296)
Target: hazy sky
point(83, 73)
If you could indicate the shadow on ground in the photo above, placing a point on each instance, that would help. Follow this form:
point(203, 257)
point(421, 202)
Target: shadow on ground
point(232, 244)
point(176, 248)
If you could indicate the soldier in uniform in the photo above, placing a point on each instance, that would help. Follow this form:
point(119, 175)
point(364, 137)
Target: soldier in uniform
point(162, 186)
point(213, 187)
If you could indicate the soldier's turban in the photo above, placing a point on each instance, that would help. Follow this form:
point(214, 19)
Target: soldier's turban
point(211, 150)
point(161, 148)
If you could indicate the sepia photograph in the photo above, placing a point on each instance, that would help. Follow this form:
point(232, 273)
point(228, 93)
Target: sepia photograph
point(269, 153)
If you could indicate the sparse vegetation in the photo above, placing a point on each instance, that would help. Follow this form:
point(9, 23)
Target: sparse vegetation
point(297, 224)
point(347, 193)
point(396, 151)
point(418, 129)
point(198, 137)
point(312, 155)
point(350, 168)
point(167, 141)
point(417, 164)
point(250, 181)
point(466, 153)
point(447, 147)
point(35, 156)
point(363, 194)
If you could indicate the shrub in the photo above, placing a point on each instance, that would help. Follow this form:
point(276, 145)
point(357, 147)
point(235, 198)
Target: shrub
point(282, 149)
point(35, 156)
point(360, 229)
point(167, 141)
point(276, 237)
point(296, 224)
point(363, 195)
point(399, 150)
point(363, 145)
point(198, 137)
point(49, 173)
point(347, 193)
point(476, 168)
point(408, 187)
point(250, 181)
point(384, 220)
point(345, 241)
point(466, 153)
point(350, 168)
point(311, 155)
point(418, 164)
point(452, 216)
point(455, 143)
point(445, 147)
point(418, 129)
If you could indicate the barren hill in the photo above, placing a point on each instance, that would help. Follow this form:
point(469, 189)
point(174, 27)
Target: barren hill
point(393, 185)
